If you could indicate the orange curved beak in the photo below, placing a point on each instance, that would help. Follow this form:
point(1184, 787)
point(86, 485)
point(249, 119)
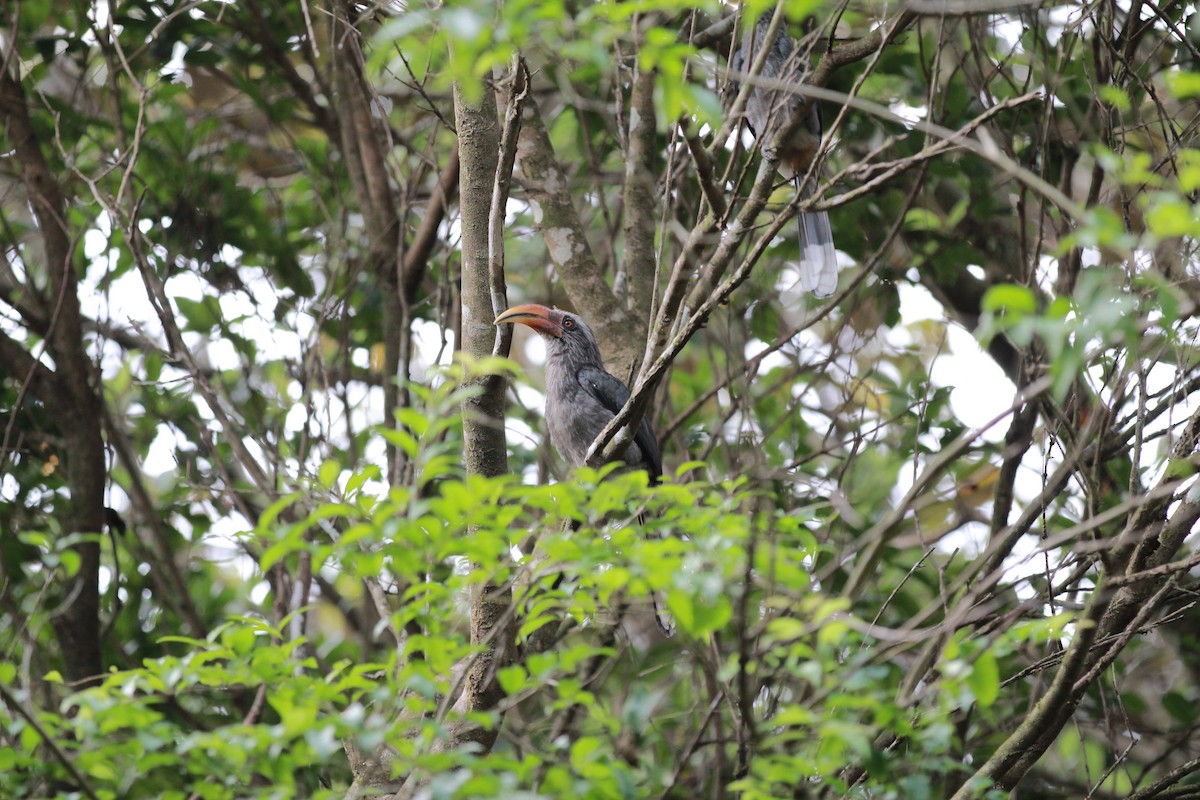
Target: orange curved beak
point(538, 317)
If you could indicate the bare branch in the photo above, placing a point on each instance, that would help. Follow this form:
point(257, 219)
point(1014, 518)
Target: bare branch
point(518, 92)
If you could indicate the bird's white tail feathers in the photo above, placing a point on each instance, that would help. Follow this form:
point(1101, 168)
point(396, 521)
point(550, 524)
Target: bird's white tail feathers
point(818, 259)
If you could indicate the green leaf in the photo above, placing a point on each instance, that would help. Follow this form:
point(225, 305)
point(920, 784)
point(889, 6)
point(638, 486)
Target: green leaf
point(1115, 97)
point(683, 469)
point(70, 560)
point(512, 679)
point(1179, 707)
point(201, 315)
point(922, 219)
point(268, 517)
point(698, 617)
point(984, 679)
point(1169, 217)
point(1183, 84)
point(359, 477)
point(1011, 299)
point(328, 474)
point(30, 739)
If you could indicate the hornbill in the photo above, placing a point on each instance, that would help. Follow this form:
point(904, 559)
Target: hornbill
point(768, 109)
point(581, 397)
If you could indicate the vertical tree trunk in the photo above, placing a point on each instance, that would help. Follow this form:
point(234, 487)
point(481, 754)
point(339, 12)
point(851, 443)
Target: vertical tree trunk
point(483, 414)
point(641, 197)
point(363, 148)
point(71, 396)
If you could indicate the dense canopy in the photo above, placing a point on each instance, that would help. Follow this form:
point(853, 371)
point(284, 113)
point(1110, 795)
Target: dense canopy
point(278, 512)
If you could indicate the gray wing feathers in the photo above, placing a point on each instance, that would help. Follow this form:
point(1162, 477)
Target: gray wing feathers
point(612, 394)
point(767, 108)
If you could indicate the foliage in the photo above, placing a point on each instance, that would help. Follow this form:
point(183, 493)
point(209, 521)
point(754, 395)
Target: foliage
point(245, 548)
point(252, 710)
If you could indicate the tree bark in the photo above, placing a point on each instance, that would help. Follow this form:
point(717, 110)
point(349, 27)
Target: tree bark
point(484, 448)
point(554, 213)
point(363, 146)
point(641, 201)
point(67, 391)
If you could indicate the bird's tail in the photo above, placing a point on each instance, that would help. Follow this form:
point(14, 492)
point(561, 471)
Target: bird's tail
point(666, 622)
point(818, 259)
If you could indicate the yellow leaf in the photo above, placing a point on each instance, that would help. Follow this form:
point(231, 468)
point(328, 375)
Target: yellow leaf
point(868, 395)
point(977, 488)
point(377, 351)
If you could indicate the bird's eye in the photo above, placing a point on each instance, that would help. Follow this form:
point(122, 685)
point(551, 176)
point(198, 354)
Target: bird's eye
point(568, 324)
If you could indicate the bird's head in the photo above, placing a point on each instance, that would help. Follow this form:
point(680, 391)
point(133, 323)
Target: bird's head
point(565, 334)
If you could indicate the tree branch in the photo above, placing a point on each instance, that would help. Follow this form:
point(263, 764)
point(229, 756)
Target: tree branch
point(416, 255)
point(364, 142)
point(78, 625)
point(640, 198)
point(619, 431)
point(546, 187)
point(518, 92)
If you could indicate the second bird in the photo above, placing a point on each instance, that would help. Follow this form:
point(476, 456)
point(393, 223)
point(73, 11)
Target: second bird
point(770, 106)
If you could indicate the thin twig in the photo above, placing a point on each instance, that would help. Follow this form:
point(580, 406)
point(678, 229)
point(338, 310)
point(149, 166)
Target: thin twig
point(519, 77)
point(81, 782)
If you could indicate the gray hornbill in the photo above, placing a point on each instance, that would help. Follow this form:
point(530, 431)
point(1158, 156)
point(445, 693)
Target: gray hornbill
point(581, 397)
point(769, 107)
